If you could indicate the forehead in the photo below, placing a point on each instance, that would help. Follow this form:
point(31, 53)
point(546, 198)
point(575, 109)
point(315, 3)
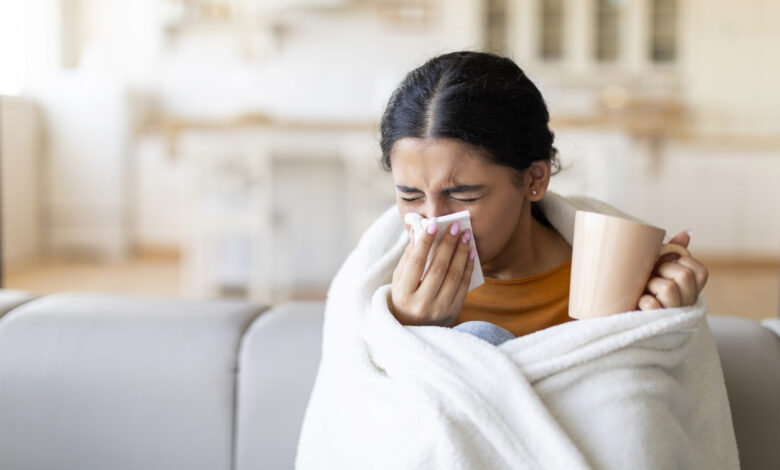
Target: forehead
point(439, 161)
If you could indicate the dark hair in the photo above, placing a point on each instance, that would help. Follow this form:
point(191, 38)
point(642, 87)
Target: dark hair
point(482, 99)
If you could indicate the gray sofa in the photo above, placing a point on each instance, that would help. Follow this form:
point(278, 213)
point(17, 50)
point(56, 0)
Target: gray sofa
point(93, 381)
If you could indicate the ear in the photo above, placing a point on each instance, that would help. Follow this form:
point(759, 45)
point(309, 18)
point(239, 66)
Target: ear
point(537, 179)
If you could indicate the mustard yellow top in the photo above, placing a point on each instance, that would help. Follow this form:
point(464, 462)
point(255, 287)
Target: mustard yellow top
point(521, 305)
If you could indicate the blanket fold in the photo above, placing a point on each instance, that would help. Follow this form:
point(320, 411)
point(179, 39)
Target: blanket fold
point(634, 390)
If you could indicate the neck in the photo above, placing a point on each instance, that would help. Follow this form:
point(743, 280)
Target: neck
point(532, 249)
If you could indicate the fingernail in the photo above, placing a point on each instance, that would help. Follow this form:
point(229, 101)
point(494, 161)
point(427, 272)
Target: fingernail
point(472, 253)
point(690, 233)
point(466, 236)
point(454, 228)
point(432, 227)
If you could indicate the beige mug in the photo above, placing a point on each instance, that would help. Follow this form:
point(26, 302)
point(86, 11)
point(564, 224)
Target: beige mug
point(612, 260)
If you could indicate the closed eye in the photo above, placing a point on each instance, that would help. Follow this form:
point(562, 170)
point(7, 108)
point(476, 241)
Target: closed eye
point(412, 194)
point(468, 193)
point(465, 199)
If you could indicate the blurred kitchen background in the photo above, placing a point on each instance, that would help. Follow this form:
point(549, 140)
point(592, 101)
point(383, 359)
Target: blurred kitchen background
point(229, 148)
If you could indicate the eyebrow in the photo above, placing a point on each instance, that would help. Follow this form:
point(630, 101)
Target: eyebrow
point(461, 188)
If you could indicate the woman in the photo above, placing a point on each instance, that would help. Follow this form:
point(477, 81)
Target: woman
point(469, 131)
point(397, 387)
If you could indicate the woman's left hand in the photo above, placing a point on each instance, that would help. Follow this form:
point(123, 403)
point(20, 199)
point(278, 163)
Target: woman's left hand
point(674, 282)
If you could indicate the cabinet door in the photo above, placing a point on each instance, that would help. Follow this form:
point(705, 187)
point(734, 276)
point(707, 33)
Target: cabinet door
point(20, 181)
point(88, 120)
point(311, 224)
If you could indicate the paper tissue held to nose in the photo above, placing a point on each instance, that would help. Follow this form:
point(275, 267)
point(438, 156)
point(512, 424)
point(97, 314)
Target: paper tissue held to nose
point(420, 224)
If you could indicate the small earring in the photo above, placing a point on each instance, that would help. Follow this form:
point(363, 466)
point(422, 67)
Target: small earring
point(534, 192)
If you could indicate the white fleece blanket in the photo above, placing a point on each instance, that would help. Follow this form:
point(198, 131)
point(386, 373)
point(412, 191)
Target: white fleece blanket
point(630, 391)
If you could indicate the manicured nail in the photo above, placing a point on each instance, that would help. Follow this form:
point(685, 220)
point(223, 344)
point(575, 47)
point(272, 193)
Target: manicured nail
point(472, 253)
point(466, 236)
point(454, 228)
point(432, 227)
point(690, 233)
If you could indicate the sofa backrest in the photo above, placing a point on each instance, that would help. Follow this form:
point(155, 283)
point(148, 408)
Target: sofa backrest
point(12, 298)
point(96, 382)
point(750, 356)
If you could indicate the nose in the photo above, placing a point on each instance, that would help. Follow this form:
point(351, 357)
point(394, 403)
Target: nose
point(435, 208)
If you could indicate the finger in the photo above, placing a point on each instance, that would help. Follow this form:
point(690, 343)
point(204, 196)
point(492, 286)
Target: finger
point(415, 263)
point(402, 262)
point(465, 281)
point(665, 291)
point(673, 248)
point(669, 252)
point(442, 257)
point(452, 280)
point(648, 302)
point(463, 288)
point(408, 250)
point(699, 270)
point(685, 279)
point(683, 239)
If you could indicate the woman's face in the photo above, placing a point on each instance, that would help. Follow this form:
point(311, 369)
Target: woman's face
point(435, 177)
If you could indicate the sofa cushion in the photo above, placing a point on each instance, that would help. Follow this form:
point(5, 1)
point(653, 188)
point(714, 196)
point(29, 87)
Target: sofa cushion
point(750, 357)
point(279, 358)
point(100, 381)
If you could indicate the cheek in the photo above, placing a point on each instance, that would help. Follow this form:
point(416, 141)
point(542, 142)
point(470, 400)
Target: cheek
point(486, 235)
point(486, 239)
point(493, 229)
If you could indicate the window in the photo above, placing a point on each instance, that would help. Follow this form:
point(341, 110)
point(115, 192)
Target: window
point(12, 47)
point(663, 30)
point(551, 31)
point(608, 30)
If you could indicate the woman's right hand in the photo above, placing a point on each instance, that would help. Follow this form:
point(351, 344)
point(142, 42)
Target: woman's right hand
point(438, 298)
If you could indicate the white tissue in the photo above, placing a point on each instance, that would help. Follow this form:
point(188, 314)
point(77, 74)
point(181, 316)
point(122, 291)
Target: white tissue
point(420, 224)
